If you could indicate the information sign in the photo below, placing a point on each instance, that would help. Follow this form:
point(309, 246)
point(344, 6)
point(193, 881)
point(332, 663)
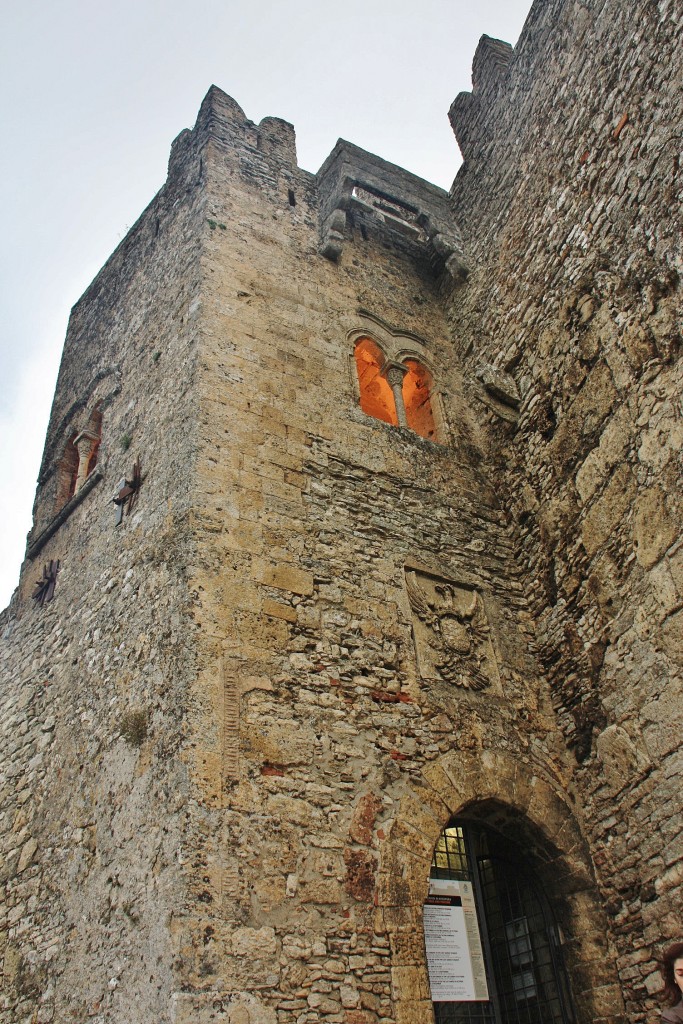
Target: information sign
point(455, 960)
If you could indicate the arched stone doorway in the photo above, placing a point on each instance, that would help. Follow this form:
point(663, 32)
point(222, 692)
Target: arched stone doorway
point(520, 803)
point(494, 945)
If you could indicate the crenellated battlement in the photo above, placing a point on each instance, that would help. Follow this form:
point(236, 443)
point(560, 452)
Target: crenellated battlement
point(470, 113)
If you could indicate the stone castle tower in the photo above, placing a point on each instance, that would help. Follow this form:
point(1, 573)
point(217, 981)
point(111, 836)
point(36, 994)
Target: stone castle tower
point(392, 585)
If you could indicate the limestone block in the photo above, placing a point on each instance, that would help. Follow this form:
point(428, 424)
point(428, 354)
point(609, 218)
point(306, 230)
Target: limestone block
point(407, 941)
point(425, 810)
point(414, 1012)
point(605, 516)
point(590, 407)
point(442, 783)
point(283, 742)
point(547, 810)
point(326, 863)
point(603, 584)
point(654, 528)
point(410, 983)
point(589, 939)
point(27, 854)
point(287, 808)
point(349, 996)
point(355, 1016)
point(499, 384)
point(664, 587)
point(326, 891)
point(661, 438)
point(661, 725)
point(279, 611)
point(361, 868)
point(415, 840)
point(220, 1008)
point(254, 942)
point(620, 758)
point(323, 1003)
point(639, 344)
point(675, 563)
point(363, 821)
point(613, 444)
point(555, 517)
point(604, 1001)
point(258, 632)
point(671, 637)
point(287, 577)
point(403, 879)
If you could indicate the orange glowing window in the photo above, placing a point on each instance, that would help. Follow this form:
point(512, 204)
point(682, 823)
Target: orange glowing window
point(417, 390)
point(376, 398)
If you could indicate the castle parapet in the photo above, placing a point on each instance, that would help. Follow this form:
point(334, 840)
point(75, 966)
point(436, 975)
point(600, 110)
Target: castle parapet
point(469, 112)
point(222, 120)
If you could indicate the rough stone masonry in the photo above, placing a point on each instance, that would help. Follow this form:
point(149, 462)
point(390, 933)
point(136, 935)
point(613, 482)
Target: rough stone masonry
point(235, 724)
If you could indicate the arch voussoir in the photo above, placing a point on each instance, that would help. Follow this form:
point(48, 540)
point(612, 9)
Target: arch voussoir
point(510, 794)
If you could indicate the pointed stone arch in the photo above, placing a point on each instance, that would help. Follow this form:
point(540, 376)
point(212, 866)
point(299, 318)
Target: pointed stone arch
point(509, 794)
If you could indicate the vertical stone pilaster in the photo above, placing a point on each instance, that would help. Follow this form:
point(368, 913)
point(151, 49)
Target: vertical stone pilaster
point(231, 721)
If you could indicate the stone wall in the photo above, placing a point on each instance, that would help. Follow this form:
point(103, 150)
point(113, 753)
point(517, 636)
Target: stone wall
point(569, 208)
point(93, 683)
point(322, 756)
point(233, 737)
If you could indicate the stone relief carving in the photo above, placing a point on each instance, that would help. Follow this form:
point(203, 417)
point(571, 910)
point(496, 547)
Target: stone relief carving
point(452, 634)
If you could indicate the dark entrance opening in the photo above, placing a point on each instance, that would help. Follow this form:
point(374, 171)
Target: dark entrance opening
point(520, 939)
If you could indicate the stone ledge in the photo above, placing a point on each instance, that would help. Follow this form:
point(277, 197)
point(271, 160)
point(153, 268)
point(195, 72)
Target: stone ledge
point(36, 546)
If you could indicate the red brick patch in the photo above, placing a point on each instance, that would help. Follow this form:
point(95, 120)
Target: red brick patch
point(364, 815)
point(383, 696)
point(360, 874)
point(620, 127)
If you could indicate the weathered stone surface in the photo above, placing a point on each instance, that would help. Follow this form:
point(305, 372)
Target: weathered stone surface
point(607, 512)
point(278, 742)
point(230, 742)
point(654, 528)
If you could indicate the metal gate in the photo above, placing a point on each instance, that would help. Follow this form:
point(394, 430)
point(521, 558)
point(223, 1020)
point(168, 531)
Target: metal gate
point(526, 977)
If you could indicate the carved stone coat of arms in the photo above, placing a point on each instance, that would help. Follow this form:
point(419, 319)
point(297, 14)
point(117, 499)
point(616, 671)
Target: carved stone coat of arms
point(452, 634)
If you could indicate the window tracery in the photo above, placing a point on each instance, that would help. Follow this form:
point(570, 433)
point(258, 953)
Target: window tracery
point(79, 458)
point(398, 391)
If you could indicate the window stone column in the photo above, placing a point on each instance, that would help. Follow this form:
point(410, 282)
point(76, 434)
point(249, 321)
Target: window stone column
point(85, 443)
point(394, 373)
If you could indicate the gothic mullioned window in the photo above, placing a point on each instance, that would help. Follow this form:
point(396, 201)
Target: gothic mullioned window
point(395, 391)
point(79, 458)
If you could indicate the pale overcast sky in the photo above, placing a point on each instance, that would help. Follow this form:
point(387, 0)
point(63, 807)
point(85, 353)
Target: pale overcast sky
point(91, 96)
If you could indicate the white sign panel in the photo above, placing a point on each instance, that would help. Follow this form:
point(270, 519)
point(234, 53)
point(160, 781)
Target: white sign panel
point(454, 956)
